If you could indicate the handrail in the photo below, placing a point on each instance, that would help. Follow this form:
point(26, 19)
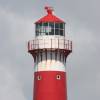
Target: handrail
point(49, 44)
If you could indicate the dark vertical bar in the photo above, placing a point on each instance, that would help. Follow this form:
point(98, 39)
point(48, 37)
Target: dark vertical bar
point(64, 43)
point(65, 59)
point(51, 43)
point(58, 43)
point(38, 55)
point(51, 50)
point(41, 54)
point(33, 44)
point(60, 54)
point(64, 29)
point(71, 45)
point(68, 44)
point(55, 54)
point(36, 61)
point(46, 54)
point(58, 48)
point(63, 56)
point(54, 28)
point(38, 43)
point(28, 46)
point(35, 58)
point(44, 43)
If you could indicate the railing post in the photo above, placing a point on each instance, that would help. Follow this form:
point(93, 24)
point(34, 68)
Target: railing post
point(33, 44)
point(71, 45)
point(58, 43)
point(64, 43)
point(38, 43)
point(44, 43)
point(68, 45)
point(28, 46)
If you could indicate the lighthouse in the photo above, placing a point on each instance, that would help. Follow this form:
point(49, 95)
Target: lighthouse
point(50, 49)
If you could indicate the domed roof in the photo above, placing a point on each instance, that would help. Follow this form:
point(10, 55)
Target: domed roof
point(50, 17)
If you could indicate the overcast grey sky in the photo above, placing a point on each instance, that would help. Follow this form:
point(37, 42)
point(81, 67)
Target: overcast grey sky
point(17, 19)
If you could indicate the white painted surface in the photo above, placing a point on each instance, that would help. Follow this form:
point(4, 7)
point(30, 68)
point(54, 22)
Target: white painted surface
point(54, 63)
point(49, 42)
point(49, 64)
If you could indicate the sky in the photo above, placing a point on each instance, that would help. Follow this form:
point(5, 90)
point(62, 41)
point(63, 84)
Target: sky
point(17, 19)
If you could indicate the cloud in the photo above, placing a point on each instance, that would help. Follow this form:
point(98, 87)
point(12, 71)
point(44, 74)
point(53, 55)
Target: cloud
point(10, 89)
point(16, 28)
point(15, 31)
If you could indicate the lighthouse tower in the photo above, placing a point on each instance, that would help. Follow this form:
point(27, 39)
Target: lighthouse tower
point(50, 49)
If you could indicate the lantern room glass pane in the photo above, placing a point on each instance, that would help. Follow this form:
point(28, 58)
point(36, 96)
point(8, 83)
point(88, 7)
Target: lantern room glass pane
point(61, 32)
point(38, 29)
point(61, 26)
point(45, 24)
point(52, 25)
point(56, 25)
point(56, 31)
point(50, 28)
point(45, 27)
point(52, 32)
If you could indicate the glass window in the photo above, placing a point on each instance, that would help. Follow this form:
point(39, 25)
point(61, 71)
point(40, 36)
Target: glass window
point(46, 30)
point(50, 28)
point(52, 32)
point(39, 77)
point(46, 33)
point(37, 33)
point(61, 32)
point(38, 29)
point(56, 25)
point(56, 31)
point(51, 24)
point(45, 24)
point(58, 77)
point(61, 26)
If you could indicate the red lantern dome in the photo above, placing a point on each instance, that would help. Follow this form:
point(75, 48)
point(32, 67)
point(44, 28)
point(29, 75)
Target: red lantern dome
point(50, 17)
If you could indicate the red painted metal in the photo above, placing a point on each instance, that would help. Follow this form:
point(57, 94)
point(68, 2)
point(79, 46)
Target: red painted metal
point(50, 17)
point(49, 87)
point(49, 9)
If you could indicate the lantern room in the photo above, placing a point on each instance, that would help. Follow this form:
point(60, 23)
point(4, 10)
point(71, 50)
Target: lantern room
point(50, 24)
